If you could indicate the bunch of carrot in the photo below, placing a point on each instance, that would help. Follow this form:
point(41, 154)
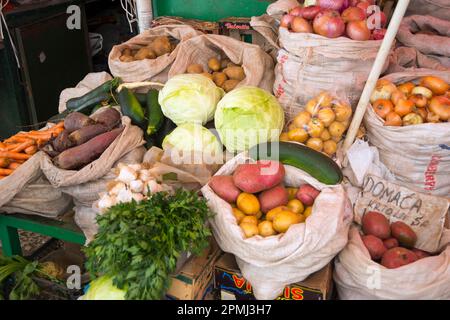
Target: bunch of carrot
point(19, 148)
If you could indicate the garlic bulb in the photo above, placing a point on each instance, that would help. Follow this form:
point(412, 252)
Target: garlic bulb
point(145, 175)
point(116, 187)
point(135, 167)
point(127, 175)
point(137, 186)
point(105, 202)
point(137, 197)
point(124, 195)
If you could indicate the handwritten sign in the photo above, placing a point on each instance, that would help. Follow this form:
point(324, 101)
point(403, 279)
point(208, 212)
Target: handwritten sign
point(424, 213)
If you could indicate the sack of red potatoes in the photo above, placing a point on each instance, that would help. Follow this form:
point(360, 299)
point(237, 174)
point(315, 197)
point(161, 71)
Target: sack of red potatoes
point(280, 223)
point(408, 121)
point(382, 262)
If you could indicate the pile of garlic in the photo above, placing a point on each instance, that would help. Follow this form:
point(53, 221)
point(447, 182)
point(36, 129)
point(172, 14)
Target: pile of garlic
point(133, 181)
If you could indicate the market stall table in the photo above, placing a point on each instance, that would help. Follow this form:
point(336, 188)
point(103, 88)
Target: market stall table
point(9, 225)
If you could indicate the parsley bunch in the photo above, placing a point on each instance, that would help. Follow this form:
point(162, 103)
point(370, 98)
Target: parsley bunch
point(138, 244)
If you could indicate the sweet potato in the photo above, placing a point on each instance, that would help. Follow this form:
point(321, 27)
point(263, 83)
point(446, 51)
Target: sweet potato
point(272, 198)
point(85, 134)
point(404, 234)
point(224, 187)
point(62, 142)
point(79, 156)
point(374, 245)
point(376, 224)
point(76, 120)
point(48, 149)
point(397, 257)
point(259, 176)
point(109, 117)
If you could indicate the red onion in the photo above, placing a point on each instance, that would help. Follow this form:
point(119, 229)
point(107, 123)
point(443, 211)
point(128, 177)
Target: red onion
point(286, 21)
point(328, 23)
point(331, 4)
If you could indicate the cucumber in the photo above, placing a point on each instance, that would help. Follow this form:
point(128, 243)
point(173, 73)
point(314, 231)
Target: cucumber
point(318, 165)
point(142, 98)
point(130, 107)
point(87, 102)
point(167, 127)
point(154, 113)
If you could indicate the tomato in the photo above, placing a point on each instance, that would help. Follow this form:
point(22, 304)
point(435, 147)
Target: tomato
point(382, 107)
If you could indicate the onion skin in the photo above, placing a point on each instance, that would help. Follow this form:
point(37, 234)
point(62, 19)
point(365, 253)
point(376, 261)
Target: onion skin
point(435, 84)
point(331, 4)
point(440, 105)
point(301, 25)
point(286, 21)
point(328, 23)
point(310, 12)
point(358, 30)
point(296, 12)
point(352, 14)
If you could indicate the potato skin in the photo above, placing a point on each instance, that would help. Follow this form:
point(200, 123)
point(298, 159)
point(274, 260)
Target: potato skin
point(219, 78)
point(375, 246)
point(230, 85)
point(397, 257)
point(420, 253)
point(235, 73)
point(376, 224)
point(194, 68)
point(259, 176)
point(272, 198)
point(214, 64)
point(390, 243)
point(224, 187)
point(404, 234)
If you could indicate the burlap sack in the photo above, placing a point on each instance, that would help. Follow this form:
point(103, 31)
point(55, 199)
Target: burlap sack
point(417, 155)
point(267, 26)
point(404, 59)
point(310, 63)
point(357, 277)
point(280, 7)
point(269, 264)
point(257, 64)
point(435, 8)
point(436, 45)
point(188, 176)
point(130, 139)
point(148, 69)
point(86, 194)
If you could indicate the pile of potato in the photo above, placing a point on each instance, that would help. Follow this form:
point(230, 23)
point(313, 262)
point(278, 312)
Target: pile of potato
point(224, 73)
point(260, 203)
point(321, 125)
point(392, 245)
point(158, 47)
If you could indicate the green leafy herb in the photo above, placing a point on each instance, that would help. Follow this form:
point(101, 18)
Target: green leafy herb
point(138, 244)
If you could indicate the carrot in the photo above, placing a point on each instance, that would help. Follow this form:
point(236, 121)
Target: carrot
point(59, 125)
point(4, 162)
point(14, 155)
point(24, 145)
point(31, 149)
point(14, 165)
point(16, 138)
point(6, 172)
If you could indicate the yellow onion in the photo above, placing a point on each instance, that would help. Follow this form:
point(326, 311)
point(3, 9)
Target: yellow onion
point(383, 90)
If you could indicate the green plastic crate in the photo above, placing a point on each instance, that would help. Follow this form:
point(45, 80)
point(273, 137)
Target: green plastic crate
point(210, 10)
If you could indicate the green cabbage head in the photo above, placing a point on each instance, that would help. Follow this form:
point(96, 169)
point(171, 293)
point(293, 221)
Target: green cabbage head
point(102, 288)
point(247, 116)
point(189, 98)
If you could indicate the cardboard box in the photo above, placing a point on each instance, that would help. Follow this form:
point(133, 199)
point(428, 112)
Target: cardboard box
point(231, 285)
point(195, 280)
point(239, 28)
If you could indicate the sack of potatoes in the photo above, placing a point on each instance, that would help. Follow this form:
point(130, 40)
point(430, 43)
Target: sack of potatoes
point(157, 47)
point(223, 72)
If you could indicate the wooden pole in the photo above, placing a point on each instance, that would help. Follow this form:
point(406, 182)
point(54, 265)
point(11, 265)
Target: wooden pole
point(375, 72)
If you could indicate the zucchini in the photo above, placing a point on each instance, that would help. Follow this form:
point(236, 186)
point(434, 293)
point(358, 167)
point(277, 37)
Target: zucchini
point(142, 98)
point(87, 102)
point(318, 165)
point(130, 107)
point(167, 127)
point(154, 113)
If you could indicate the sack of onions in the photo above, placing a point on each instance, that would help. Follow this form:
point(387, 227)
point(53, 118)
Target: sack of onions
point(329, 46)
point(409, 122)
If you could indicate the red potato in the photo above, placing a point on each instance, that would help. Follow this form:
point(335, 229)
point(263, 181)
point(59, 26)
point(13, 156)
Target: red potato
point(79, 156)
point(259, 176)
point(404, 234)
point(420, 253)
point(376, 224)
point(109, 117)
point(224, 187)
point(307, 194)
point(85, 134)
point(390, 243)
point(375, 246)
point(397, 257)
point(76, 120)
point(272, 198)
